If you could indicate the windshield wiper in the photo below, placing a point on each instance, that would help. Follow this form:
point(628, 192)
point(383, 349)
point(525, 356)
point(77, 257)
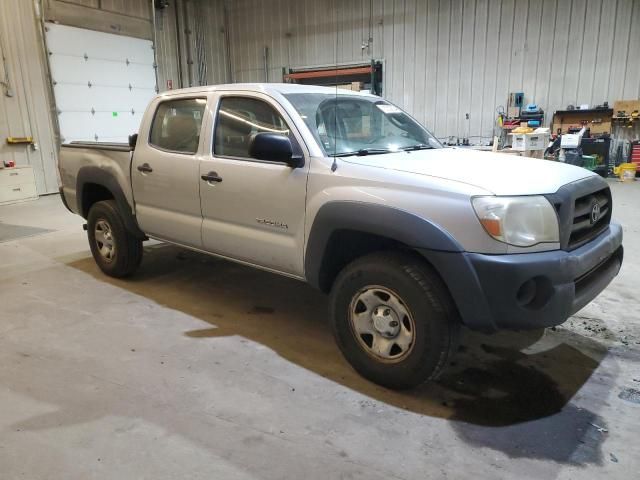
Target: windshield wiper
point(419, 146)
point(363, 152)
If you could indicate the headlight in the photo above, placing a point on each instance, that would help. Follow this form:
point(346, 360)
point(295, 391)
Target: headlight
point(519, 221)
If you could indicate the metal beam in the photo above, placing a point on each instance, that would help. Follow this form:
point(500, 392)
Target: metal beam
point(94, 19)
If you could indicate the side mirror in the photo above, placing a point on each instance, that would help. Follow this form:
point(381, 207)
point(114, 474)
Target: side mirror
point(274, 147)
point(133, 139)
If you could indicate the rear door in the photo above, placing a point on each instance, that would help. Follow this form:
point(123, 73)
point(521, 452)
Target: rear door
point(254, 210)
point(165, 171)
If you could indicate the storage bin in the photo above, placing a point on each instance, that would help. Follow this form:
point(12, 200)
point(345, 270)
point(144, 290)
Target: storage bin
point(529, 141)
point(626, 172)
point(590, 162)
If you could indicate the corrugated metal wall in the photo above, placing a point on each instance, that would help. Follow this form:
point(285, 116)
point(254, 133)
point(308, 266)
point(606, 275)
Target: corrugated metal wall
point(215, 43)
point(27, 111)
point(166, 47)
point(442, 59)
point(132, 8)
point(446, 58)
point(204, 45)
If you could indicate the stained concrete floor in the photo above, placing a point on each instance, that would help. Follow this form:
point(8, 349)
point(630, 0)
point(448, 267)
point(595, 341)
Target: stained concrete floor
point(200, 368)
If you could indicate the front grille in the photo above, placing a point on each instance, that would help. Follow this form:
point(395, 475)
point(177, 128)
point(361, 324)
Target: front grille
point(585, 225)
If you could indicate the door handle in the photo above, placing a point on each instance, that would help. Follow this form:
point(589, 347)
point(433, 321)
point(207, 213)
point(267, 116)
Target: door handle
point(211, 177)
point(145, 168)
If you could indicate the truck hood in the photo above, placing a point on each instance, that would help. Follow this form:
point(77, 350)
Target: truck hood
point(498, 173)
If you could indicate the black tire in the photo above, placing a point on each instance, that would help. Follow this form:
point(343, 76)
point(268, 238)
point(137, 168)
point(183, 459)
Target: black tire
point(127, 249)
point(435, 322)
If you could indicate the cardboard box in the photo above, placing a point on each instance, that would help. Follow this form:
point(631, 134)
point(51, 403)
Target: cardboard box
point(529, 141)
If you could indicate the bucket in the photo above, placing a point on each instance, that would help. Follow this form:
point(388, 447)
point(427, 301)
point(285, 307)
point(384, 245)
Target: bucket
point(626, 172)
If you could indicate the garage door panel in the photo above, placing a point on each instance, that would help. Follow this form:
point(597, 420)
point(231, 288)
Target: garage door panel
point(79, 42)
point(101, 127)
point(108, 99)
point(102, 82)
point(76, 125)
point(78, 71)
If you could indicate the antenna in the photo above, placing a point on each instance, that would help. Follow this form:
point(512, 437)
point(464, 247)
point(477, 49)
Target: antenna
point(334, 165)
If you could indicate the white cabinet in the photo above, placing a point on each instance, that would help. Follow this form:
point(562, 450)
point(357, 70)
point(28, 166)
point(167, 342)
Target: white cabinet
point(17, 184)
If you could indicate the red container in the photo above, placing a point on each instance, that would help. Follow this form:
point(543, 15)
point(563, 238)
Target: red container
point(635, 155)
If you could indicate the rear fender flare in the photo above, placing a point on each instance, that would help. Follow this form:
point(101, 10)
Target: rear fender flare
point(98, 176)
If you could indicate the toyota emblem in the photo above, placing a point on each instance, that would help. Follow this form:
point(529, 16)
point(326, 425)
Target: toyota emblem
point(595, 213)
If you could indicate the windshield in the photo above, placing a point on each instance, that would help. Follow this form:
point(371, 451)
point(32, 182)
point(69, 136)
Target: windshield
point(359, 125)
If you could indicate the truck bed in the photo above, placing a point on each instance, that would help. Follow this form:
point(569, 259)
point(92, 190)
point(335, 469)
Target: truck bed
point(114, 146)
point(85, 160)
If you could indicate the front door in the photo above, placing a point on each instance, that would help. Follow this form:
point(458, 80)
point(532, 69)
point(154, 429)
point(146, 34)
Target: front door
point(165, 172)
point(253, 210)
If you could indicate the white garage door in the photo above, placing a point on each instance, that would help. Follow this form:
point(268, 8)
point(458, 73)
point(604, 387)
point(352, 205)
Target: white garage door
point(102, 82)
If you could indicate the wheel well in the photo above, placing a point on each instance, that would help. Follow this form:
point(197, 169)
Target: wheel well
point(92, 193)
point(344, 246)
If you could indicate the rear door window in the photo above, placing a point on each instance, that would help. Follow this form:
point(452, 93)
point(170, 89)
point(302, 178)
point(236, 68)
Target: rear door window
point(176, 125)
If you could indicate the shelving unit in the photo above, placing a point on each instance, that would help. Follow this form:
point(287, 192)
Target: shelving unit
point(598, 121)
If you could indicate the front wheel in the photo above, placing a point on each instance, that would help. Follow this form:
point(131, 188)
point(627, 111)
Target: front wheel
point(393, 319)
point(116, 251)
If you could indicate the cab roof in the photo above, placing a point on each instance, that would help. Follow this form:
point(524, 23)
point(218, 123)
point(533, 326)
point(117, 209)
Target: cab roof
point(268, 88)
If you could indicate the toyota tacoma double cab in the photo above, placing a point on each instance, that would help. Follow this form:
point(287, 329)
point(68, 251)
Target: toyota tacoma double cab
point(347, 192)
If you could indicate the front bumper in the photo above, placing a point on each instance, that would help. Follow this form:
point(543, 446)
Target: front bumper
point(530, 290)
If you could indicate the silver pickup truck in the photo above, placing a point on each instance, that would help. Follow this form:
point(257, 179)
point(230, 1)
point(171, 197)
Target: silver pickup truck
point(347, 192)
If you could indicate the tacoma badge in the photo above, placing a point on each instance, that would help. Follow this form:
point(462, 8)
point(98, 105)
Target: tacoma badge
point(272, 223)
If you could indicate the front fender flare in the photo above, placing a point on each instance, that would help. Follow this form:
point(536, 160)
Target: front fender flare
point(382, 220)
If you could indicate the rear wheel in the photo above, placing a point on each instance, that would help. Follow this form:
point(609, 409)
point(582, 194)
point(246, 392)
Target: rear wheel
point(116, 251)
point(393, 319)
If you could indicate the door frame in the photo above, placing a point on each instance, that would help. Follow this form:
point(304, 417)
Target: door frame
point(213, 106)
point(146, 149)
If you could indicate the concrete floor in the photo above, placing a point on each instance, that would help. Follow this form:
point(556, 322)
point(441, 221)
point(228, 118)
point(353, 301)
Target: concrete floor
point(200, 368)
